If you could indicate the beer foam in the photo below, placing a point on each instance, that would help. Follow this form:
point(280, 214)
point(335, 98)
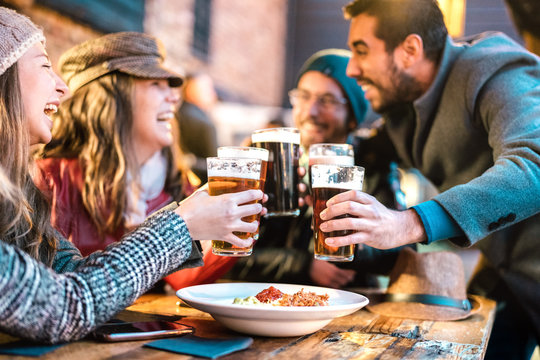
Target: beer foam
point(252, 175)
point(351, 185)
point(239, 152)
point(326, 176)
point(331, 159)
point(276, 135)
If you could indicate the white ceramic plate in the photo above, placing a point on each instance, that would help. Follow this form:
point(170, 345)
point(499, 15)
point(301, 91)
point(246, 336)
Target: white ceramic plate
point(277, 321)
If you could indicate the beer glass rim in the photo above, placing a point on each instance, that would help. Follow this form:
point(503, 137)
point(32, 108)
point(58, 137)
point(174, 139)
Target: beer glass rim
point(213, 158)
point(330, 150)
point(286, 128)
point(288, 135)
point(260, 151)
point(233, 171)
point(338, 166)
point(331, 144)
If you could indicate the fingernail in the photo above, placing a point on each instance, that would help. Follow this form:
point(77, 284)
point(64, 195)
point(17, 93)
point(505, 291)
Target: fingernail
point(323, 215)
point(329, 242)
point(323, 227)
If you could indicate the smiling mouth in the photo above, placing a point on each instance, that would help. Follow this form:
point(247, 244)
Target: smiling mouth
point(165, 116)
point(50, 109)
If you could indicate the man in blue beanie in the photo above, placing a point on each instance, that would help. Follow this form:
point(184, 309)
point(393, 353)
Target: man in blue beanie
point(327, 108)
point(327, 104)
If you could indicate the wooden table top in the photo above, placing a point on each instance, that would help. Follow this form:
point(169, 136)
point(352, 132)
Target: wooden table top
point(362, 335)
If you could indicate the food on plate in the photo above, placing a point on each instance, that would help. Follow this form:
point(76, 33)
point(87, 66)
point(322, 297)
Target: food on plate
point(274, 297)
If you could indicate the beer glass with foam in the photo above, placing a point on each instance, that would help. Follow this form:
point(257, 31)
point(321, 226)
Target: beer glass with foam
point(229, 175)
point(325, 153)
point(282, 179)
point(327, 181)
point(248, 153)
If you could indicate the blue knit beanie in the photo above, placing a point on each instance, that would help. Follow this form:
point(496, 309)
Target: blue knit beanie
point(333, 63)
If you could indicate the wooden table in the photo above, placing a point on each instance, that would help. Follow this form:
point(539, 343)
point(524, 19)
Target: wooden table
point(361, 335)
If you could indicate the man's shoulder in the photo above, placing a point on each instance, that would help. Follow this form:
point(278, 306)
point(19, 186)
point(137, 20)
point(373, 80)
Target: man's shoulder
point(192, 110)
point(484, 57)
point(491, 46)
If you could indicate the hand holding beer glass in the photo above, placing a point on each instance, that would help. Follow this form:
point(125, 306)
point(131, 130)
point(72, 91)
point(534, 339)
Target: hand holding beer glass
point(324, 153)
point(327, 181)
point(229, 175)
point(248, 153)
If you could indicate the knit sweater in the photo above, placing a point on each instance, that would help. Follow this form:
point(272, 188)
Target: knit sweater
point(67, 301)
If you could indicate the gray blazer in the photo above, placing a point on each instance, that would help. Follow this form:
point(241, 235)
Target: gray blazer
point(476, 135)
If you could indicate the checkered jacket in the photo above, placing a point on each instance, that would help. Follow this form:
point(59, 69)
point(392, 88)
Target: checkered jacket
point(67, 301)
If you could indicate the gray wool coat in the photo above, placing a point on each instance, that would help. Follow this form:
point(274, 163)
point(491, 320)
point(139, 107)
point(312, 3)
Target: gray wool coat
point(476, 135)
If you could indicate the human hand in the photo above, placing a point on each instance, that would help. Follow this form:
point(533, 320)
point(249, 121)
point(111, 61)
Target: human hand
point(324, 273)
point(373, 223)
point(304, 198)
point(217, 217)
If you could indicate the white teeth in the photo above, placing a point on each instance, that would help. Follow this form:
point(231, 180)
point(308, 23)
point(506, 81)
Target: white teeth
point(50, 109)
point(166, 116)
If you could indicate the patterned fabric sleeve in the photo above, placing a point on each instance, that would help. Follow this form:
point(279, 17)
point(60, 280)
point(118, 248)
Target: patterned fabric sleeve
point(38, 303)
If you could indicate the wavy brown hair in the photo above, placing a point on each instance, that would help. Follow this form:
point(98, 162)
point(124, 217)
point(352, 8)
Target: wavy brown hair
point(25, 212)
point(95, 126)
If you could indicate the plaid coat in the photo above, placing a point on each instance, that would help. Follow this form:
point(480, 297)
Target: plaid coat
point(67, 301)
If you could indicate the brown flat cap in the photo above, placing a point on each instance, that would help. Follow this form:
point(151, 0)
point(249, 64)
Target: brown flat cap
point(133, 53)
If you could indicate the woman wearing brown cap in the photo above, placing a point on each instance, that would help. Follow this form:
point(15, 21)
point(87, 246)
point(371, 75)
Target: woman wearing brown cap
point(49, 292)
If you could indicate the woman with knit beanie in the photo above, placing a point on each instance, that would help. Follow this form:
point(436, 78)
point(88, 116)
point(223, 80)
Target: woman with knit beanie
point(48, 291)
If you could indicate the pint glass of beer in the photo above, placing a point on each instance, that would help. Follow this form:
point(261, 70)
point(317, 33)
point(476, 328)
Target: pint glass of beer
point(229, 175)
point(337, 154)
point(281, 185)
point(248, 153)
point(328, 181)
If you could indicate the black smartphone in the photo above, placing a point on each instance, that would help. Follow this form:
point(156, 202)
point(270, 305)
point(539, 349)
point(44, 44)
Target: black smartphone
point(129, 331)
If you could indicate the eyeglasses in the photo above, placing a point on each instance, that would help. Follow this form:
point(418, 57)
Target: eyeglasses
point(327, 102)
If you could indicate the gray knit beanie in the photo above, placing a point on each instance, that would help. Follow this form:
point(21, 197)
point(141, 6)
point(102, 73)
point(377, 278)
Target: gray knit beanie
point(17, 33)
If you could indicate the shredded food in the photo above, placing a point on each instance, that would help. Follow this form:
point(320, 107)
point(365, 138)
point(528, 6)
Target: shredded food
point(301, 298)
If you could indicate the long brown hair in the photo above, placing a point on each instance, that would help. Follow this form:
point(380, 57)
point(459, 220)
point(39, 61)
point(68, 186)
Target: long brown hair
point(95, 126)
point(25, 212)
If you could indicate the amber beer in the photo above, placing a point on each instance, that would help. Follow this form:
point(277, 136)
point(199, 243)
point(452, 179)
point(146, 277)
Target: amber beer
point(230, 175)
point(248, 153)
point(282, 179)
point(327, 182)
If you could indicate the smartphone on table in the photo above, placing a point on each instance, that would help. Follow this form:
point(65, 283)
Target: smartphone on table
point(144, 330)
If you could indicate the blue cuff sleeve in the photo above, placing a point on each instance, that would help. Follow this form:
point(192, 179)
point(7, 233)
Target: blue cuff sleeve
point(437, 222)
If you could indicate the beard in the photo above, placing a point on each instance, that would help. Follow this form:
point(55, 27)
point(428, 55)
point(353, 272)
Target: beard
point(404, 89)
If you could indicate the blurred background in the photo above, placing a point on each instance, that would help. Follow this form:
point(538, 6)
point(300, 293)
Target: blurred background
point(251, 49)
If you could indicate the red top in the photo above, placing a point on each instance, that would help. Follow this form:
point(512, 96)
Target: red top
point(61, 179)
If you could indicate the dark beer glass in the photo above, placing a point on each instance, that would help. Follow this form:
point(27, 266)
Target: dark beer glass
point(248, 153)
point(282, 179)
point(328, 181)
point(229, 175)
